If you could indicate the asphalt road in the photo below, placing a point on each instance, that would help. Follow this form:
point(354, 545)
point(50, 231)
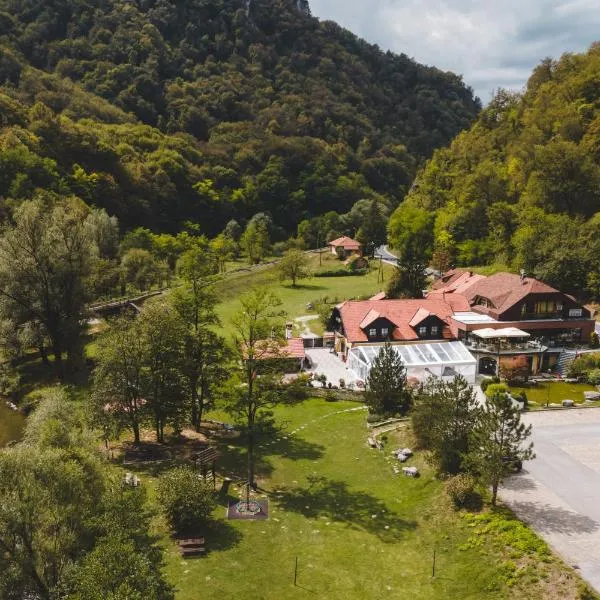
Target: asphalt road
point(558, 493)
point(385, 254)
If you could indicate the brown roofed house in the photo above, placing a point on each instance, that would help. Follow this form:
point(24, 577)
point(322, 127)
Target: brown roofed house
point(548, 318)
point(345, 247)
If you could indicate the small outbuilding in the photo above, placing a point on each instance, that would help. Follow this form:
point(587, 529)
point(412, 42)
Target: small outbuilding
point(345, 247)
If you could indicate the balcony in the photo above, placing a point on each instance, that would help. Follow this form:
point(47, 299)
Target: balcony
point(539, 316)
point(505, 347)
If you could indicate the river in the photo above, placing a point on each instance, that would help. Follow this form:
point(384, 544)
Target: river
point(11, 424)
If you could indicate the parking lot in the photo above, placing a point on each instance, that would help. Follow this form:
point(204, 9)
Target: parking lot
point(558, 493)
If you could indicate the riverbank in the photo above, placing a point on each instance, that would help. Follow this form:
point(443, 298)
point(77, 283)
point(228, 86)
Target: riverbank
point(12, 423)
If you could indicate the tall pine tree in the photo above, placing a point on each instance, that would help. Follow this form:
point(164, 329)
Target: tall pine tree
point(386, 391)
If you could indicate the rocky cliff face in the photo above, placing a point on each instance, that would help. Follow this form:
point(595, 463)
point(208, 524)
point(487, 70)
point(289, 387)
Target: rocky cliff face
point(303, 7)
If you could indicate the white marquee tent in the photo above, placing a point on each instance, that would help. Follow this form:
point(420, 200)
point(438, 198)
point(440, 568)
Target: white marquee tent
point(432, 359)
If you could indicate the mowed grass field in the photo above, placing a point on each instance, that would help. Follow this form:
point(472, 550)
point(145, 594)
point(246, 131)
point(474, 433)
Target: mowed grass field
point(359, 532)
point(295, 300)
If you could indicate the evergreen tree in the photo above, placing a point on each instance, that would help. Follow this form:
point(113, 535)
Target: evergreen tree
point(443, 417)
point(373, 229)
point(386, 388)
point(499, 441)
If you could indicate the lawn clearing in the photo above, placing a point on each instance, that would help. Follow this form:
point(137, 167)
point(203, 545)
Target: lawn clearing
point(554, 392)
point(358, 531)
point(295, 300)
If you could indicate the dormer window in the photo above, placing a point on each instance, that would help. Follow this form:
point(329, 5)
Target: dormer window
point(481, 301)
point(435, 330)
point(373, 332)
point(384, 331)
point(422, 331)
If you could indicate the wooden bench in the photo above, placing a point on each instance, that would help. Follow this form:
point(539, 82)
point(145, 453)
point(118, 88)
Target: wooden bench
point(192, 546)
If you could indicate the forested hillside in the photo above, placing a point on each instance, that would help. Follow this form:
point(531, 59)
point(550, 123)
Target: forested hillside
point(203, 110)
point(521, 188)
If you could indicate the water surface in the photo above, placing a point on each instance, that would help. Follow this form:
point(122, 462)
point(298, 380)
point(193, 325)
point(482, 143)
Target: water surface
point(11, 424)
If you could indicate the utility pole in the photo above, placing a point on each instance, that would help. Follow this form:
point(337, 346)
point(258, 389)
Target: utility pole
point(319, 247)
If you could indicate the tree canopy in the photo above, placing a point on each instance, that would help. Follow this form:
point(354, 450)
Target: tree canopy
point(163, 112)
point(525, 177)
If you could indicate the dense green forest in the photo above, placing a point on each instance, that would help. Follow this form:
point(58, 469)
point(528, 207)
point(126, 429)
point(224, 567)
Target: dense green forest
point(164, 112)
point(521, 188)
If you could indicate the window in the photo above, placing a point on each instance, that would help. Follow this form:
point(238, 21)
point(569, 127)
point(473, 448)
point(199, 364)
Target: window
point(372, 332)
point(422, 330)
point(544, 307)
point(434, 330)
point(384, 331)
point(575, 312)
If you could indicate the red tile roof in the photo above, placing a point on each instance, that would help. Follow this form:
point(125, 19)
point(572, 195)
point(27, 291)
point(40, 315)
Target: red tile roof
point(267, 349)
point(456, 281)
point(504, 290)
point(380, 296)
point(399, 312)
point(419, 317)
point(346, 243)
point(294, 348)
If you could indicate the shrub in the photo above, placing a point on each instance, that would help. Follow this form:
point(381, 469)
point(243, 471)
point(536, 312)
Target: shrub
point(341, 272)
point(330, 396)
point(496, 388)
point(488, 381)
point(594, 340)
point(375, 418)
point(460, 489)
point(594, 377)
point(186, 500)
point(585, 363)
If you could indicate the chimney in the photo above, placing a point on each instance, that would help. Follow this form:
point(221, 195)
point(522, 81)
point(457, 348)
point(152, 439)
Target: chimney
point(522, 275)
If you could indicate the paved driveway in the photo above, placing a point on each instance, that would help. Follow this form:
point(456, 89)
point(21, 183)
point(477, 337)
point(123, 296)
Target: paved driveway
point(558, 493)
point(325, 362)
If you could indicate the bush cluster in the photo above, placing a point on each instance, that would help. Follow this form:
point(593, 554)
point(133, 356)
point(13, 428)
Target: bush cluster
point(461, 489)
point(488, 381)
point(186, 500)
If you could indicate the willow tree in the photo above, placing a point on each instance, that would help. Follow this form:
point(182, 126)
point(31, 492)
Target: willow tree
point(45, 257)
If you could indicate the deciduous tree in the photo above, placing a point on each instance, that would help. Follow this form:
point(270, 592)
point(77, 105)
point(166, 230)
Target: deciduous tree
point(294, 265)
point(44, 260)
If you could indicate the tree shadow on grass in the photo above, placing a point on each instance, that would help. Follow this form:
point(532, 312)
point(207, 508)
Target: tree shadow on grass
point(294, 448)
point(333, 500)
point(232, 461)
point(304, 286)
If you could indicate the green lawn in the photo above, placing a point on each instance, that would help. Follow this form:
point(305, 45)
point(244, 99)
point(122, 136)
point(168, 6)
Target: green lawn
point(359, 531)
point(334, 289)
point(554, 392)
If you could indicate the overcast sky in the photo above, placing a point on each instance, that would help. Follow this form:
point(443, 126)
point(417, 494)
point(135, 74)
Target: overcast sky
point(492, 43)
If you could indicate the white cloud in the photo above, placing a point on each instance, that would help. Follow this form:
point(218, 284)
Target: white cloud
point(491, 43)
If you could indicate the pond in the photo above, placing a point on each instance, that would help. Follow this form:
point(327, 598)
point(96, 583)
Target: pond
point(11, 424)
point(555, 392)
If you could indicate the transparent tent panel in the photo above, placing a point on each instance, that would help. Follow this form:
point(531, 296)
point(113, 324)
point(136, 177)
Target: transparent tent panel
point(434, 354)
